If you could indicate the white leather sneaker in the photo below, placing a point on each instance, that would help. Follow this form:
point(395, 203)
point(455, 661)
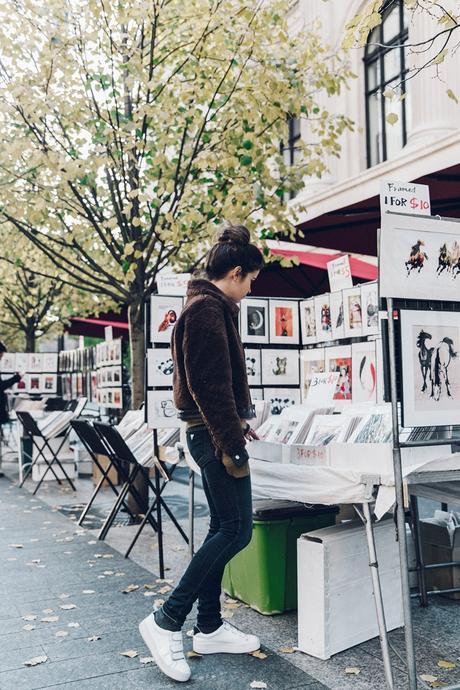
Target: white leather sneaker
point(166, 648)
point(226, 639)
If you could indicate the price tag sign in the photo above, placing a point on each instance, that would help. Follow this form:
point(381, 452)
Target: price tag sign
point(339, 273)
point(405, 197)
point(172, 283)
point(322, 388)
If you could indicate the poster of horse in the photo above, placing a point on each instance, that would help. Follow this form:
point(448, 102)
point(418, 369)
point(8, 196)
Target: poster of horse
point(430, 346)
point(419, 258)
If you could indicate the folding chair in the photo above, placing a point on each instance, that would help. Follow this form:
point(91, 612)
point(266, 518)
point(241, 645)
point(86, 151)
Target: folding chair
point(93, 444)
point(33, 431)
point(119, 452)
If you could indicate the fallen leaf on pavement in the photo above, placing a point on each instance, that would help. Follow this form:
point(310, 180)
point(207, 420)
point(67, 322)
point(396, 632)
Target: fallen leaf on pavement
point(28, 627)
point(64, 596)
point(427, 678)
point(258, 654)
point(67, 607)
point(146, 660)
point(29, 617)
point(189, 633)
point(108, 555)
point(162, 579)
point(47, 611)
point(17, 546)
point(352, 670)
point(89, 591)
point(158, 602)
point(61, 633)
point(150, 594)
point(36, 660)
point(164, 590)
point(286, 650)
point(130, 588)
point(258, 684)
point(50, 619)
point(193, 654)
point(149, 586)
point(227, 614)
point(446, 664)
point(93, 638)
point(231, 605)
point(130, 653)
point(73, 625)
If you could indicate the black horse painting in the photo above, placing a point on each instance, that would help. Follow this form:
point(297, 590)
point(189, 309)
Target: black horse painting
point(424, 355)
point(434, 363)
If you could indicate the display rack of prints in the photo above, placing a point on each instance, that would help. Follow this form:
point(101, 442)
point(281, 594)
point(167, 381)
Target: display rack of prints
point(164, 312)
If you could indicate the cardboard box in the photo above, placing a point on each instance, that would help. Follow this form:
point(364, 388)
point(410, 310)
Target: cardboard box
point(437, 547)
point(336, 608)
point(113, 474)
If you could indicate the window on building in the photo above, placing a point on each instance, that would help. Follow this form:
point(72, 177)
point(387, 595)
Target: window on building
point(290, 149)
point(385, 68)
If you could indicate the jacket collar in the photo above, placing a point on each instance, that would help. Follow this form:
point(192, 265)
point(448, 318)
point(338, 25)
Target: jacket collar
point(200, 286)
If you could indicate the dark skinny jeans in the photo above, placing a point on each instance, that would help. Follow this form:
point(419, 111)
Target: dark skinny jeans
point(230, 530)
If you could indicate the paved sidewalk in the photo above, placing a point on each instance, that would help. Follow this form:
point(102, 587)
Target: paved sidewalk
point(50, 569)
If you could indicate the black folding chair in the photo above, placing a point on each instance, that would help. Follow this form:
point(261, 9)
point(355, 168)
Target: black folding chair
point(33, 431)
point(93, 444)
point(121, 455)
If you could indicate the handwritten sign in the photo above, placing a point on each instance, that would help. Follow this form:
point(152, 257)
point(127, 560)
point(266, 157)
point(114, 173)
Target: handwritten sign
point(322, 388)
point(405, 197)
point(339, 273)
point(172, 283)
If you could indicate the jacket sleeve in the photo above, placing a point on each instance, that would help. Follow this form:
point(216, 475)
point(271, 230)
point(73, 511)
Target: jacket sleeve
point(7, 383)
point(209, 379)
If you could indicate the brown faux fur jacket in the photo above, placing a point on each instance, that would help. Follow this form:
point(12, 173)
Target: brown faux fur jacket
point(209, 367)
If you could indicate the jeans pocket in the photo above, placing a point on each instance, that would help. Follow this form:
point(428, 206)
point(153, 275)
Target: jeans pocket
point(200, 446)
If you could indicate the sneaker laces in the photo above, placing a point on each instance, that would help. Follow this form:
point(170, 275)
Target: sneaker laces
point(231, 628)
point(177, 646)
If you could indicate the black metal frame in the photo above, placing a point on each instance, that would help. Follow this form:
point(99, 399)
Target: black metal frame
point(33, 431)
point(378, 54)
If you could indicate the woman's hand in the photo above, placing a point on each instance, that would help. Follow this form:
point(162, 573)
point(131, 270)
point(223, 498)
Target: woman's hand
point(251, 435)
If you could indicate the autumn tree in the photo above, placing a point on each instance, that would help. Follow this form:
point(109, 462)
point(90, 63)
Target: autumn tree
point(34, 301)
point(440, 43)
point(130, 130)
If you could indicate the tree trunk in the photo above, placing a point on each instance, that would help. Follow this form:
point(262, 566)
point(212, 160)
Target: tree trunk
point(30, 339)
point(137, 342)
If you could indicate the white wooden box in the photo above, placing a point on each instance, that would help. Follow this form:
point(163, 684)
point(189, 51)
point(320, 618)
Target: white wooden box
point(336, 607)
point(65, 454)
point(39, 470)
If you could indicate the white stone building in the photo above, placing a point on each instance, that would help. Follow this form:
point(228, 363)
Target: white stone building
point(424, 145)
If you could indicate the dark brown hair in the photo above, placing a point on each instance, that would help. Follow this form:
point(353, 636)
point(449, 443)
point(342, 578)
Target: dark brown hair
point(233, 248)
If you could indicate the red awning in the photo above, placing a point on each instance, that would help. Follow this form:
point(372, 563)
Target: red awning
point(359, 268)
point(103, 322)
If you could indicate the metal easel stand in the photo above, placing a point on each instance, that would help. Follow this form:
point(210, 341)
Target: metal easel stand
point(400, 515)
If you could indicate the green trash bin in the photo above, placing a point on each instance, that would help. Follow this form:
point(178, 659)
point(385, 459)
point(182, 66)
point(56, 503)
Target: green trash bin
point(264, 574)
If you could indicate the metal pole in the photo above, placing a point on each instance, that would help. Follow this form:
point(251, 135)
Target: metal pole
point(400, 516)
point(374, 566)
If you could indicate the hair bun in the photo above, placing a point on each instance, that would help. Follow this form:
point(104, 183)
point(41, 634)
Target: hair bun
point(235, 234)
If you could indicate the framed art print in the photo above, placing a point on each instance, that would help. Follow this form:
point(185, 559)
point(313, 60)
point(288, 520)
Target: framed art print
point(8, 363)
point(338, 359)
point(22, 361)
point(50, 362)
point(280, 367)
point(364, 373)
point(430, 367)
point(280, 398)
point(254, 321)
point(352, 312)
point(48, 383)
point(33, 383)
point(336, 306)
point(284, 322)
point(256, 393)
point(311, 363)
point(323, 318)
point(164, 312)
point(253, 366)
point(308, 321)
point(160, 367)
point(35, 362)
point(370, 308)
point(161, 412)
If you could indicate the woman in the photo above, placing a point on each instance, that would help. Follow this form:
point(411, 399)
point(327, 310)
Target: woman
point(212, 395)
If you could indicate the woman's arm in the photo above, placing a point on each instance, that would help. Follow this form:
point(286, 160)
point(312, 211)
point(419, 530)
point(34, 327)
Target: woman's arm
point(7, 383)
point(209, 378)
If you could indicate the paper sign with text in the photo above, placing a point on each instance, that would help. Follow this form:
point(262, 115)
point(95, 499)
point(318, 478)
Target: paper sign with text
point(173, 283)
point(322, 388)
point(405, 197)
point(339, 273)
point(108, 333)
